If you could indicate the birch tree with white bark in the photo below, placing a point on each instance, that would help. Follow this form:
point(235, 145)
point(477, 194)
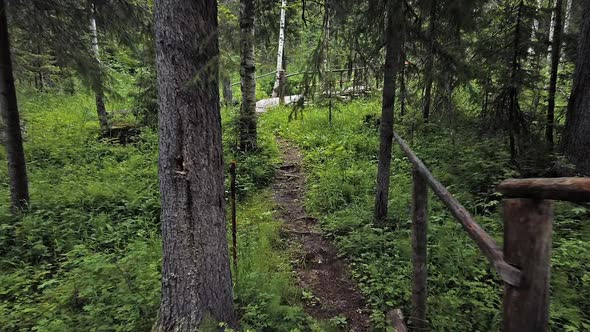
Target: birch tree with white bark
point(98, 81)
point(280, 51)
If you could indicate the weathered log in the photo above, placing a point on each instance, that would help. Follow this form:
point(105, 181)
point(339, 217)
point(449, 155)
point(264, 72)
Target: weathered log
point(562, 189)
point(484, 241)
point(396, 318)
point(527, 244)
point(419, 273)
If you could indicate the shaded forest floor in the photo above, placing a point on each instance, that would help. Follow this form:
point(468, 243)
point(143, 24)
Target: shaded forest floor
point(324, 277)
point(87, 254)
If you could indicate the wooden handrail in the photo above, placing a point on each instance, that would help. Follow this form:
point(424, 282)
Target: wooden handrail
point(527, 211)
point(561, 189)
point(257, 77)
point(484, 241)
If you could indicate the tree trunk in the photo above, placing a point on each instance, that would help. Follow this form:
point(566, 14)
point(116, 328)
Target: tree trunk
point(555, 56)
point(98, 84)
point(228, 97)
point(327, 62)
point(402, 88)
point(514, 88)
point(247, 121)
point(196, 278)
point(17, 170)
point(394, 36)
point(568, 16)
point(576, 138)
point(281, 50)
point(429, 64)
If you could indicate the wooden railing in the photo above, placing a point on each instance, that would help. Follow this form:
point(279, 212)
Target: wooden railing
point(524, 262)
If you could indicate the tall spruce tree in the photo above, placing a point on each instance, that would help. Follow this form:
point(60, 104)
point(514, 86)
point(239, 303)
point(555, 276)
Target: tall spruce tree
point(196, 280)
point(247, 119)
point(394, 35)
point(576, 137)
point(17, 170)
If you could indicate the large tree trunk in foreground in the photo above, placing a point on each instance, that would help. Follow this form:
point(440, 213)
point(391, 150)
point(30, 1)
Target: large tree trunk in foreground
point(17, 170)
point(281, 52)
point(394, 34)
point(576, 138)
point(555, 56)
point(196, 279)
point(103, 117)
point(247, 121)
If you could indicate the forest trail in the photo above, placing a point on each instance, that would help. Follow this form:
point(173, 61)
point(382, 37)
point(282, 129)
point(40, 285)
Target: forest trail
point(318, 268)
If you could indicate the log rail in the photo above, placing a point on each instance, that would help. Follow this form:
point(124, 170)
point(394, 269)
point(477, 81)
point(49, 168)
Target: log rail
point(524, 262)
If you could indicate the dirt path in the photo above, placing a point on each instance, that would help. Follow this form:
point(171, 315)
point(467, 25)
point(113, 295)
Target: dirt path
point(319, 270)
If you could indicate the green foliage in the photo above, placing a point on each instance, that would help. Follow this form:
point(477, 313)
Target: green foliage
point(254, 170)
point(87, 254)
point(264, 288)
point(464, 292)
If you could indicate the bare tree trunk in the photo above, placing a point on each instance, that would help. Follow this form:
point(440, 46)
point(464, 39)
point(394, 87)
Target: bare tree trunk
point(228, 97)
point(281, 50)
point(10, 130)
point(17, 170)
point(247, 121)
point(576, 138)
point(394, 41)
point(98, 84)
point(555, 57)
point(327, 62)
point(402, 82)
point(196, 279)
point(568, 16)
point(429, 64)
point(514, 89)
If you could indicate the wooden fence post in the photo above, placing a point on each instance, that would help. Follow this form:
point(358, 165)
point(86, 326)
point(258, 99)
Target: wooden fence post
point(232, 170)
point(419, 226)
point(527, 245)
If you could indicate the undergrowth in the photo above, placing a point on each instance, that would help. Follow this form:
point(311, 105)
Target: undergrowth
point(464, 294)
point(86, 256)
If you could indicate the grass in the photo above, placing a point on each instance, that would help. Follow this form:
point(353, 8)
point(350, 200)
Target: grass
point(87, 254)
point(464, 292)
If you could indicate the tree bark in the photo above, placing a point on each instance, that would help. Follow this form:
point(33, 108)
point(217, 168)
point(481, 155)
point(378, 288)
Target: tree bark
point(576, 139)
point(402, 83)
point(247, 121)
point(514, 88)
point(555, 56)
point(98, 84)
point(228, 97)
point(429, 64)
point(17, 170)
point(196, 278)
point(281, 50)
point(394, 35)
point(568, 16)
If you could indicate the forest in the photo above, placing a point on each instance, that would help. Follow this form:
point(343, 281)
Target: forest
point(295, 165)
